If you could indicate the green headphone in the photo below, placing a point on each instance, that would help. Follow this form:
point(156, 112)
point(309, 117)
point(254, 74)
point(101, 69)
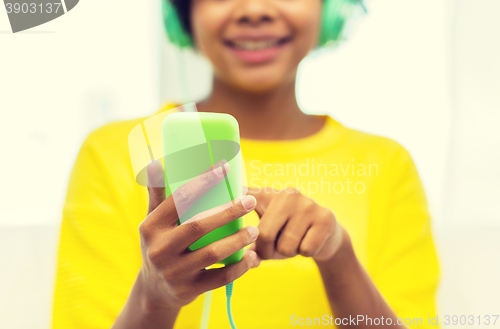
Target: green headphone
point(336, 13)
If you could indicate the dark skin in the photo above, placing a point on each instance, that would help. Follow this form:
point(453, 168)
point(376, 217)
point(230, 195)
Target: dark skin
point(265, 111)
point(261, 96)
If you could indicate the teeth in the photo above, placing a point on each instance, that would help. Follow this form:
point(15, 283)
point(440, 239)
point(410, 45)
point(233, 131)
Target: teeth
point(255, 45)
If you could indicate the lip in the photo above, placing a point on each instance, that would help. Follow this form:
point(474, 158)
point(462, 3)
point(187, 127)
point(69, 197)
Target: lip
point(257, 56)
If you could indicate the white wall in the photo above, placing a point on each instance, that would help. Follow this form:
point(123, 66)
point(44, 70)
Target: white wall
point(468, 234)
point(60, 80)
point(474, 176)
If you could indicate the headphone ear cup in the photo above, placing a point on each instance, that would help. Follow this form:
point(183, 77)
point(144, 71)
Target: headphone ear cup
point(335, 15)
point(173, 26)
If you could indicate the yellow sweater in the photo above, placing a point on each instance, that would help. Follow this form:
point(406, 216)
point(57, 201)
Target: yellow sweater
point(370, 183)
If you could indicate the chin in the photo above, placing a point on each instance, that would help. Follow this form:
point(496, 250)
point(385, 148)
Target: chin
point(258, 86)
point(261, 83)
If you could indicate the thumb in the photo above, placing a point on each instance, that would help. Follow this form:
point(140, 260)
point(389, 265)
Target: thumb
point(156, 184)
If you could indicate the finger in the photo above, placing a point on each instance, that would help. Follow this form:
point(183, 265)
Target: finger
point(271, 222)
point(332, 242)
point(258, 259)
point(223, 248)
point(199, 225)
point(187, 194)
point(218, 277)
point(263, 197)
point(156, 184)
point(294, 231)
point(313, 241)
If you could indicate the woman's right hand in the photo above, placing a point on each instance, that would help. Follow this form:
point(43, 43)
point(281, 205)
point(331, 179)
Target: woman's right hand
point(172, 275)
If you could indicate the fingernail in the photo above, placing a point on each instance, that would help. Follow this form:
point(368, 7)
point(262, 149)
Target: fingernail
point(218, 171)
point(252, 255)
point(153, 162)
point(254, 232)
point(249, 202)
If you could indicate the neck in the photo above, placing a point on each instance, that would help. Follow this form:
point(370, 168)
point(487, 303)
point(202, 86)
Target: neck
point(270, 115)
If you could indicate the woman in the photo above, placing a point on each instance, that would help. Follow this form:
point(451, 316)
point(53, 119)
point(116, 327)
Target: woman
point(340, 227)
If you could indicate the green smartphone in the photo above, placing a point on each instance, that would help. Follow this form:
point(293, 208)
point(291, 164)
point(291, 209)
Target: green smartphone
point(192, 142)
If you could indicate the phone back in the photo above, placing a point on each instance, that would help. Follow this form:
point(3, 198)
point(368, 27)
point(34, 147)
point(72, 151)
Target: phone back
point(192, 142)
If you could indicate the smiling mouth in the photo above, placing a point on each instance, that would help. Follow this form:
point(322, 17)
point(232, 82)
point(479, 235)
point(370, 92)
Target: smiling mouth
point(255, 45)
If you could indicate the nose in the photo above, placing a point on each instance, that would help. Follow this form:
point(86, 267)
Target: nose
point(254, 12)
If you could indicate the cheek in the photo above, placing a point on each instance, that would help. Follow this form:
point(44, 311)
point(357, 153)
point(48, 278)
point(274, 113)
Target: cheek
point(206, 26)
point(306, 25)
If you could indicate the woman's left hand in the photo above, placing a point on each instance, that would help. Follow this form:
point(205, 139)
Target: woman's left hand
point(292, 224)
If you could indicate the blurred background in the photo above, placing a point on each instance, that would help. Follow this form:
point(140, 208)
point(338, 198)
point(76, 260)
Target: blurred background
point(425, 73)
